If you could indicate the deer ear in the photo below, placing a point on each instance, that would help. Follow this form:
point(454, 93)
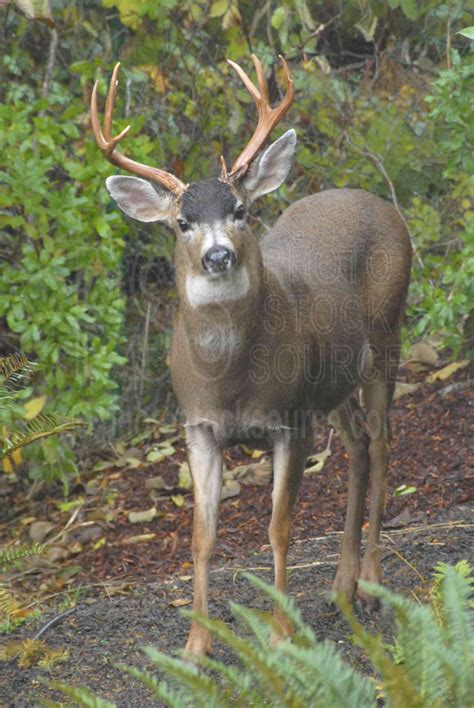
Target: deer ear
point(270, 169)
point(139, 199)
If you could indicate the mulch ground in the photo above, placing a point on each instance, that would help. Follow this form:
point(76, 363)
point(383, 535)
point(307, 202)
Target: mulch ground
point(124, 590)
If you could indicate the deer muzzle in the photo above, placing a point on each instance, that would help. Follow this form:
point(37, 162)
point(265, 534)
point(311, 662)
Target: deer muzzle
point(218, 260)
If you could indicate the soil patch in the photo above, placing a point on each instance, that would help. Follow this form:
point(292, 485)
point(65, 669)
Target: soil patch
point(104, 630)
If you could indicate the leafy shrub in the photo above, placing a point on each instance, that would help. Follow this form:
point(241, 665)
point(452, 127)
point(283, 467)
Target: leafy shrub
point(434, 655)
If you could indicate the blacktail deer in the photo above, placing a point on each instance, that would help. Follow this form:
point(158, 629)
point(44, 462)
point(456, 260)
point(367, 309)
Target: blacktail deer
point(272, 335)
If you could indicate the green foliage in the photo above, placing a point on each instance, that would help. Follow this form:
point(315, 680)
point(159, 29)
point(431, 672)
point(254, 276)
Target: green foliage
point(10, 555)
point(435, 650)
point(80, 695)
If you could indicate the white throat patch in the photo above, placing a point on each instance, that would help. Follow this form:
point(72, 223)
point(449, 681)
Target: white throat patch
point(205, 290)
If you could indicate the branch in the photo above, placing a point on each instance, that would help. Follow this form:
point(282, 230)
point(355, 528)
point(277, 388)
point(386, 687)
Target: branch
point(53, 45)
point(377, 161)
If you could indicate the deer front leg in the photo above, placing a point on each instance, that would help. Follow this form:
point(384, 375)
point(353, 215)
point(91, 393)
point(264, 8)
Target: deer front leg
point(289, 457)
point(205, 461)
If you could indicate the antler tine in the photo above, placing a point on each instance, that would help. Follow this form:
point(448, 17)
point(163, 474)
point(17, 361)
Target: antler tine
point(262, 83)
point(268, 117)
point(107, 143)
point(110, 102)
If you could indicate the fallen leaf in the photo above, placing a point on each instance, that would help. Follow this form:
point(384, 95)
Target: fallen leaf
point(155, 483)
point(185, 480)
point(402, 519)
point(7, 466)
point(403, 389)
point(423, 353)
point(168, 429)
point(230, 488)
point(403, 489)
point(133, 462)
point(181, 602)
point(155, 456)
point(142, 538)
point(39, 530)
point(320, 458)
point(168, 451)
point(142, 517)
point(177, 499)
point(447, 371)
point(255, 473)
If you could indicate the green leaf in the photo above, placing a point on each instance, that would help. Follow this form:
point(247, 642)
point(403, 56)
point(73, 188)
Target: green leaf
point(467, 32)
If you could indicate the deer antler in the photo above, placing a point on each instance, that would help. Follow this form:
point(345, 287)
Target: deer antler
point(267, 117)
point(108, 143)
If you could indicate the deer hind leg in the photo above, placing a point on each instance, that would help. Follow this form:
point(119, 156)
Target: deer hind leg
point(205, 460)
point(289, 459)
point(349, 420)
point(378, 395)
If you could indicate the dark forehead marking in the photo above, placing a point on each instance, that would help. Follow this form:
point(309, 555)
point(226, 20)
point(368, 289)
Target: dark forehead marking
point(207, 201)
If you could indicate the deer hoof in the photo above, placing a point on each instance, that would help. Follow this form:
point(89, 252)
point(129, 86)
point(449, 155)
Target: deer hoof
point(345, 584)
point(371, 574)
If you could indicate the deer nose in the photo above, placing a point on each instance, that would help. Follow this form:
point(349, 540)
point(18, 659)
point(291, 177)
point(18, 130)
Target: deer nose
point(218, 259)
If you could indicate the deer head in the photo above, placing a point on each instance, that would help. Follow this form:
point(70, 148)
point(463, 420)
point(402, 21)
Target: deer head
point(209, 216)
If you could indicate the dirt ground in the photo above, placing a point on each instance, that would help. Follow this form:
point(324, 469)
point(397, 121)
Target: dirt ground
point(125, 595)
point(103, 631)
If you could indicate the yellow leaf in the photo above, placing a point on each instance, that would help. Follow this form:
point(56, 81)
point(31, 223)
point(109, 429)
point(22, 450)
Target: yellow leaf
point(178, 499)
point(159, 80)
point(447, 371)
point(7, 466)
point(142, 538)
point(16, 457)
point(34, 407)
point(257, 454)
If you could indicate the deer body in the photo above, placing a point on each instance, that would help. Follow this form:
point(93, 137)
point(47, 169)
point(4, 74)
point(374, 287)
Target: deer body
point(272, 336)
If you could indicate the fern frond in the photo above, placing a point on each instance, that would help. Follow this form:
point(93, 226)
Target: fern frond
point(238, 687)
point(258, 663)
point(287, 607)
point(12, 554)
point(158, 689)
point(15, 368)
point(44, 425)
point(458, 619)
point(418, 631)
point(398, 686)
point(187, 674)
point(81, 696)
point(8, 603)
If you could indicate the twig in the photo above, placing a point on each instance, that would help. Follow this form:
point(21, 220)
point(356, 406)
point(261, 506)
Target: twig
point(65, 528)
point(319, 30)
point(448, 38)
point(257, 17)
point(52, 622)
point(53, 45)
point(410, 565)
point(145, 349)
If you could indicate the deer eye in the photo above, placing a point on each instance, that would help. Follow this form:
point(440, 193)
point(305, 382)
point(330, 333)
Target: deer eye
point(239, 213)
point(183, 225)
